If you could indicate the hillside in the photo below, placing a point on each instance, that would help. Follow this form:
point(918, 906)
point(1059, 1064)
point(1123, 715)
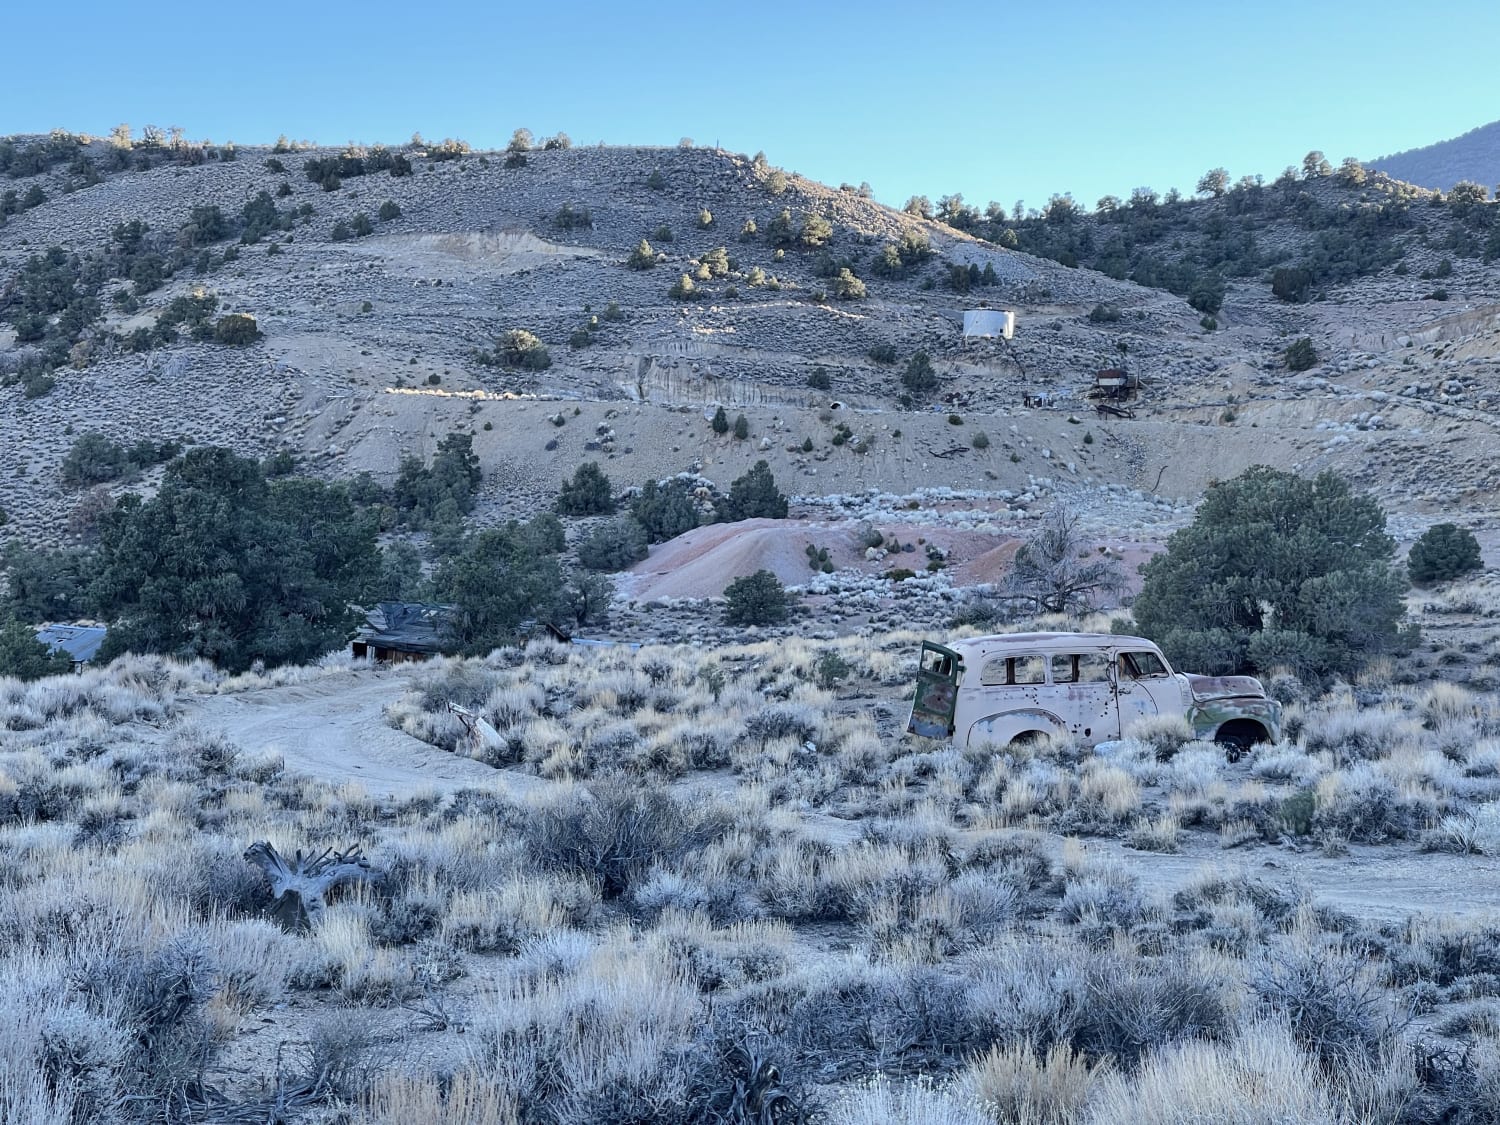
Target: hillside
point(376, 344)
point(1474, 156)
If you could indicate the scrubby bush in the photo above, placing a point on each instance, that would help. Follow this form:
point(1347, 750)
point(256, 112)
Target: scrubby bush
point(1444, 551)
point(1300, 355)
point(643, 257)
point(684, 289)
point(847, 287)
point(1276, 570)
point(919, 375)
point(519, 348)
point(93, 459)
point(614, 545)
point(665, 510)
point(237, 329)
point(588, 493)
point(753, 496)
point(756, 599)
point(25, 657)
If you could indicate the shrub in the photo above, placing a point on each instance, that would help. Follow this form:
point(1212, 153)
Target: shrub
point(756, 599)
point(642, 257)
point(665, 511)
point(753, 496)
point(1444, 551)
point(847, 287)
point(1276, 569)
point(720, 423)
point(614, 833)
point(520, 348)
point(980, 440)
point(1334, 1005)
point(741, 427)
point(588, 493)
point(882, 353)
point(614, 545)
point(919, 375)
point(685, 289)
point(1300, 355)
point(1291, 285)
point(716, 261)
point(818, 380)
point(94, 459)
point(237, 329)
point(1104, 314)
point(567, 218)
point(25, 657)
point(815, 231)
point(389, 210)
point(1055, 570)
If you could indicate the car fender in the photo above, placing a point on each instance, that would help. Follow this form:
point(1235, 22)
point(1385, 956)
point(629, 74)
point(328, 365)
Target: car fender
point(1003, 726)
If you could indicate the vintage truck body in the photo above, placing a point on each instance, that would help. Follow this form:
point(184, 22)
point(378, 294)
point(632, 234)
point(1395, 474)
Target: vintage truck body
point(1015, 687)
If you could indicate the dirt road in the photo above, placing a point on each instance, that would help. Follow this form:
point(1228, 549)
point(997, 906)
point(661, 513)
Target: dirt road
point(334, 729)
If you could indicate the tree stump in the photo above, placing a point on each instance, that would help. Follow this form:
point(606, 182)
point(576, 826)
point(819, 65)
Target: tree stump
point(299, 887)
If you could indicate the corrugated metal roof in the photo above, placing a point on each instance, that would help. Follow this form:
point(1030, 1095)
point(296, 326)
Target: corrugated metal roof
point(409, 626)
point(80, 642)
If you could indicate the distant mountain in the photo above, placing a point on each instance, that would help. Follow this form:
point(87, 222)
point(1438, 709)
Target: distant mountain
point(1474, 156)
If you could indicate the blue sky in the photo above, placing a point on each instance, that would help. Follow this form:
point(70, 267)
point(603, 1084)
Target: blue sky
point(996, 101)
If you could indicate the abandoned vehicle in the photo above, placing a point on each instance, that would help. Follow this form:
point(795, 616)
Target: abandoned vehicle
point(1018, 687)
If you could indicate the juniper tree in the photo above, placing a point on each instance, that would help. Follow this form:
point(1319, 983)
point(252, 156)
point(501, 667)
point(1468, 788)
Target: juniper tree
point(1275, 570)
point(588, 493)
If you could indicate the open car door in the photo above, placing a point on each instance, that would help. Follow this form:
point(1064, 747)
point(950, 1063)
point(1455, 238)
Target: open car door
point(936, 699)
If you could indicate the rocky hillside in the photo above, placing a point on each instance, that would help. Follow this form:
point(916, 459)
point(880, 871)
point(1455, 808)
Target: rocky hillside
point(347, 307)
point(1475, 157)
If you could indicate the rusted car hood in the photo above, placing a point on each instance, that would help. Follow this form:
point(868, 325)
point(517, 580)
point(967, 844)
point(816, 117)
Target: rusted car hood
point(1223, 687)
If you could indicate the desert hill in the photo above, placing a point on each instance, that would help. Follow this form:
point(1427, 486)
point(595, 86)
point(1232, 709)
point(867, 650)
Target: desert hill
point(374, 344)
point(1474, 156)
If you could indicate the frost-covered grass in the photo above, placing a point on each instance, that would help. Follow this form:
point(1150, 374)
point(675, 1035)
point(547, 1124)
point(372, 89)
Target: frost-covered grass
point(740, 865)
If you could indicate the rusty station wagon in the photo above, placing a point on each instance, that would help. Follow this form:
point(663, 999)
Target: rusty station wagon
point(1016, 687)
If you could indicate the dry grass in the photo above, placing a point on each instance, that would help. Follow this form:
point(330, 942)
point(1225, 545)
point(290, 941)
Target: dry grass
point(737, 866)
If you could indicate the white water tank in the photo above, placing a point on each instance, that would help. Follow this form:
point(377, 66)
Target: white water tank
point(983, 323)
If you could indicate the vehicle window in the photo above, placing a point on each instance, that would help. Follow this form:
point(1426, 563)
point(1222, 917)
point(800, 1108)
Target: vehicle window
point(1080, 668)
point(1093, 668)
point(1029, 670)
point(1007, 671)
point(1142, 665)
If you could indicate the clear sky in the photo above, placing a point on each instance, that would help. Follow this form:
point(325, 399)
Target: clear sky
point(997, 101)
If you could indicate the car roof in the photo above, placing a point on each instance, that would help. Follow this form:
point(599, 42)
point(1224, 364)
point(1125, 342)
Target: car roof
point(1047, 642)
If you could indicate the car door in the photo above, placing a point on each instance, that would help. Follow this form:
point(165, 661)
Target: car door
point(936, 696)
point(1143, 685)
point(1085, 694)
